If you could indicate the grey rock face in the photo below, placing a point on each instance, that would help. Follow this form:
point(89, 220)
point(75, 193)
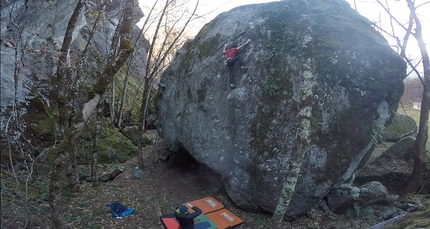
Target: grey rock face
point(247, 134)
point(36, 29)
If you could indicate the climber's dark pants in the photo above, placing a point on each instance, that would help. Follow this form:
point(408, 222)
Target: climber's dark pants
point(230, 65)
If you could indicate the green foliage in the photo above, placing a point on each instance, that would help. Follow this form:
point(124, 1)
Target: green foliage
point(359, 211)
point(85, 203)
point(335, 122)
point(39, 210)
point(44, 194)
point(258, 220)
point(377, 137)
point(42, 185)
point(315, 225)
point(270, 89)
point(69, 217)
point(69, 194)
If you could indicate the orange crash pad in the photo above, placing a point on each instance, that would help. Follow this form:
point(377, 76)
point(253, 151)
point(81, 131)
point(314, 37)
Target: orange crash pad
point(224, 218)
point(214, 216)
point(207, 204)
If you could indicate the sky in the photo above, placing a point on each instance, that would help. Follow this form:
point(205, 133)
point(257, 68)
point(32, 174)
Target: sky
point(374, 12)
point(209, 9)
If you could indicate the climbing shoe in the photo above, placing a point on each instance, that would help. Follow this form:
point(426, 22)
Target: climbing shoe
point(244, 69)
point(232, 86)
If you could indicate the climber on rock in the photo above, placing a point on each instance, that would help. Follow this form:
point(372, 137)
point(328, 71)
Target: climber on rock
point(232, 58)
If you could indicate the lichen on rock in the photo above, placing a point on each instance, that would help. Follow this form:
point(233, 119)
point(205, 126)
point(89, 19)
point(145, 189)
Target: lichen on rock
point(247, 134)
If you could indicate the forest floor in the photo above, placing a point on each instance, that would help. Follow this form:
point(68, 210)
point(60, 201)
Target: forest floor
point(169, 184)
point(166, 185)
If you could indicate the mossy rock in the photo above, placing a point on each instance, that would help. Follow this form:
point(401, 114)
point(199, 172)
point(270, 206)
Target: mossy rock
point(131, 133)
point(114, 147)
point(400, 149)
point(417, 219)
point(41, 121)
point(149, 136)
point(401, 126)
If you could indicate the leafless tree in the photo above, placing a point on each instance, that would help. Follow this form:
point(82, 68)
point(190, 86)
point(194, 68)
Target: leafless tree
point(167, 34)
point(64, 150)
point(413, 91)
point(63, 74)
point(413, 30)
point(17, 156)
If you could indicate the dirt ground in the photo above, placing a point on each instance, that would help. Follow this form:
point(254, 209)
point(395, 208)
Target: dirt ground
point(169, 184)
point(165, 185)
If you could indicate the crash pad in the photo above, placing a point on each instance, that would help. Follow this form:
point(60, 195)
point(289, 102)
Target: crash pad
point(169, 221)
point(204, 225)
point(202, 222)
point(224, 218)
point(214, 216)
point(207, 204)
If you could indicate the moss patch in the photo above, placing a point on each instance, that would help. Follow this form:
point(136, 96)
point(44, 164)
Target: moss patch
point(132, 133)
point(41, 122)
point(400, 125)
point(208, 47)
point(114, 147)
point(418, 219)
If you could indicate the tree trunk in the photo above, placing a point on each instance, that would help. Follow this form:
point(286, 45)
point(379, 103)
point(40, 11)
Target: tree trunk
point(112, 102)
point(64, 151)
point(419, 148)
point(94, 164)
point(124, 95)
point(304, 124)
point(64, 72)
point(142, 117)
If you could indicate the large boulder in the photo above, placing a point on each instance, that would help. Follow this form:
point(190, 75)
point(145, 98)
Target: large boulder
point(247, 134)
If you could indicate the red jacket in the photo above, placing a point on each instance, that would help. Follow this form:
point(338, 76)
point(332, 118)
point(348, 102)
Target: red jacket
point(230, 53)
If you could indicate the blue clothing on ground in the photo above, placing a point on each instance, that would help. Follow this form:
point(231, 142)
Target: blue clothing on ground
point(118, 210)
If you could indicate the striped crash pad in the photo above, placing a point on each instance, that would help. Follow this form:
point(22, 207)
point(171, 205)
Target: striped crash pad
point(214, 216)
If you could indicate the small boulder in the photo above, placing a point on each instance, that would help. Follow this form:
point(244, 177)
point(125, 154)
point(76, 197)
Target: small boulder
point(401, 149)
point(137, 173)
point(400, 127)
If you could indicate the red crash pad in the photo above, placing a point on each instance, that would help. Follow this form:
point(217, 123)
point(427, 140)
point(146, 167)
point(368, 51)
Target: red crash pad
point(170, 223)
